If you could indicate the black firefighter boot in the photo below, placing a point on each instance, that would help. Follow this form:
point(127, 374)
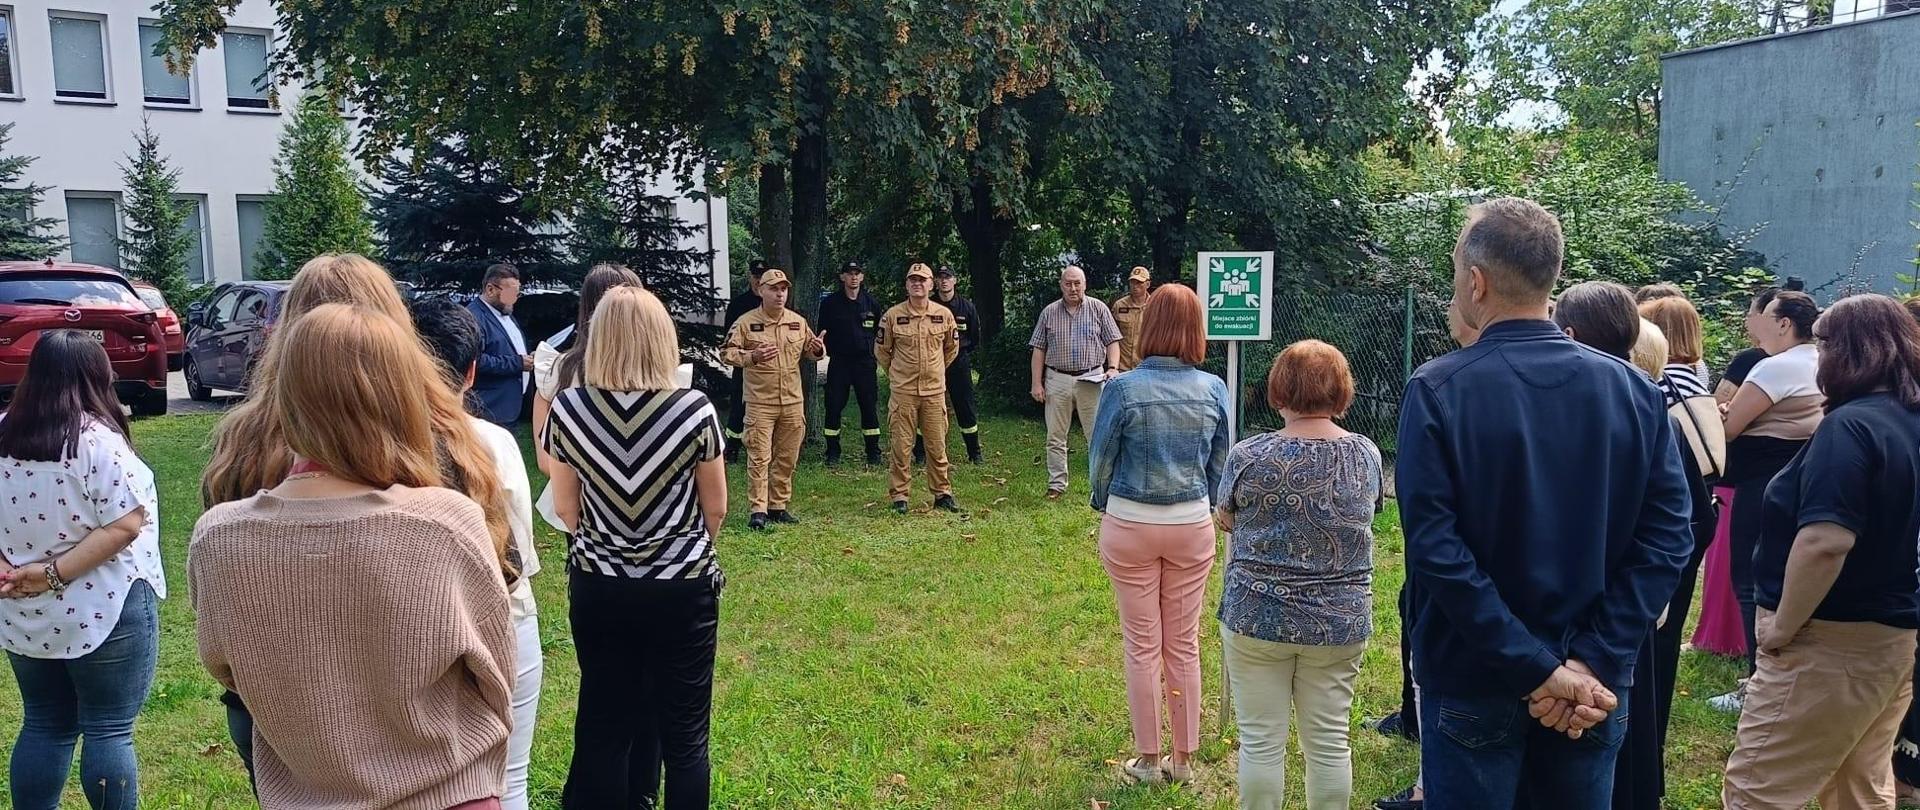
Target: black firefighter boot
point(873, 451)
point(973, 447)
point(833, 451)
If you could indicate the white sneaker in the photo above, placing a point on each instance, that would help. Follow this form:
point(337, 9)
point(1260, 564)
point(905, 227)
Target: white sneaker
point(1732, 702)
point(1142, 770)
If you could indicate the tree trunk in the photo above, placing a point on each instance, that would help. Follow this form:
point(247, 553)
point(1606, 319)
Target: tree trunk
point(810, 249)
point(1167, 234)
point(775, 221)
point(986, 233)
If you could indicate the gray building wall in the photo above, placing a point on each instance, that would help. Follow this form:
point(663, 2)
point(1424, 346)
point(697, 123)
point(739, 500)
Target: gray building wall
point(1810, 136)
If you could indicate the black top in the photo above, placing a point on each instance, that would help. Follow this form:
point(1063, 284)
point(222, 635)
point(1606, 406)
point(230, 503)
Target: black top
point(851, 325)
point(966, 320)
point(742, 303)
point(1546, 512)
point(1860, 470)
point(1742, 364)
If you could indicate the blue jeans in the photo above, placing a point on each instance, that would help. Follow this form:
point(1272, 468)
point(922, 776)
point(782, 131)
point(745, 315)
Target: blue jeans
point(96, 696)
point(1487, 753)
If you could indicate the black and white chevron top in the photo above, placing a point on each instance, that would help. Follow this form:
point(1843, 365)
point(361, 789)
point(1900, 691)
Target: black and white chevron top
point(635, 453)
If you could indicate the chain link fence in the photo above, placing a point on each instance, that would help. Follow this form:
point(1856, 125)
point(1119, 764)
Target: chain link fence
point(1385, 333)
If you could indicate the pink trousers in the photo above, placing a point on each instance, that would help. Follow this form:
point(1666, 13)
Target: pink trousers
point(1159, 578)
point(1720, 631)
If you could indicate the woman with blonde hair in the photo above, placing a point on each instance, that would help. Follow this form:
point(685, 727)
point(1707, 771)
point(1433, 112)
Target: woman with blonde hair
point(1155, 455)
point(641, 487)
point(1649, 352)
point(359, 582)
point(250, 451)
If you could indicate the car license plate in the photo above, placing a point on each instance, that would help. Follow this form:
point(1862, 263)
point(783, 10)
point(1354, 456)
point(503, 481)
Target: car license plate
point(98, 335)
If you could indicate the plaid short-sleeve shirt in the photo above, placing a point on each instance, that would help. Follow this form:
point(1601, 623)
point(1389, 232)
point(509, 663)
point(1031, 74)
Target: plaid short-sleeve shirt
point(1075, 340)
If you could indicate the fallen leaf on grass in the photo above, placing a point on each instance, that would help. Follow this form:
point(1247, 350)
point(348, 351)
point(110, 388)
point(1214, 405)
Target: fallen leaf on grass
point(969, 537)
point(210, 749)
point(871, 504)
point(1000, 500)
point(847, 550)
point(899, 780)
point(1096, 804)
point(1113, 762)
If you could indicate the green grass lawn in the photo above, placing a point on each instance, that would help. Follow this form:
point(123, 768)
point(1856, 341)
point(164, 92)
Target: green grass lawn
point(875, 661)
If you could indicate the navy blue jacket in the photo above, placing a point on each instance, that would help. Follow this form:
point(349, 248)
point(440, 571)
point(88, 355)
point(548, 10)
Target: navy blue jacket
point(498, 384)
point(1545, 510)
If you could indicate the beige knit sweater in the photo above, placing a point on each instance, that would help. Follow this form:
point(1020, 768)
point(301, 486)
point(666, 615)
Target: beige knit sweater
point(370, 637)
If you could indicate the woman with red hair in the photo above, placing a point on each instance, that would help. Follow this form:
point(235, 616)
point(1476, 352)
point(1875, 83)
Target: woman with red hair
point(1157, 451)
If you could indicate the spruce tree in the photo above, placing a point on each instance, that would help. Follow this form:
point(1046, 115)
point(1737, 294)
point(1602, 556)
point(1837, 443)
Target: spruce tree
point(444, 218)
point(620, 221)
point(22, 237)
point(157, 241)
point(317, 206)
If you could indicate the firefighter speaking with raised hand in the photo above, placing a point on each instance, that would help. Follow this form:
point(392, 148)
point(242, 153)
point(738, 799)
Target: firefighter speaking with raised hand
point(768, 345)
point(918, 340)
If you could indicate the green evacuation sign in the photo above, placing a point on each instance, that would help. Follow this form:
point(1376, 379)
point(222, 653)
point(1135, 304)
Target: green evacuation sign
point(1236, 289)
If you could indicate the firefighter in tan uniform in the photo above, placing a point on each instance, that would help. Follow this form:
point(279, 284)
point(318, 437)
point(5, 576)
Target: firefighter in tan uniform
point(1126, 313)
point(768, 344)
point(918, 340)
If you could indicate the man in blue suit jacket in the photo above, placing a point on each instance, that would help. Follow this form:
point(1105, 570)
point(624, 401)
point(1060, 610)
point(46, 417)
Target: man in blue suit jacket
point(1547, 520)
point(500, 376)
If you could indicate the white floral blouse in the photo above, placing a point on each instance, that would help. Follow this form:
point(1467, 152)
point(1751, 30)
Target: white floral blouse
point(46, 508)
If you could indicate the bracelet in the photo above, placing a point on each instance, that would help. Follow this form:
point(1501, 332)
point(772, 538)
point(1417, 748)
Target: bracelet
point(55, 582)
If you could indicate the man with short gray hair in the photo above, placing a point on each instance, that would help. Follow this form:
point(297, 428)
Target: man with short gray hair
point(1546, 519)
point(1076, 347)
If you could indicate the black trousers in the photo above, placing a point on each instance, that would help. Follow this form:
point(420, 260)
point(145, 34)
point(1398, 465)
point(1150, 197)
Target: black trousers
point(960, 388)
point(1409, 709)
point(1743, 533)
point(737, 409)
point(645, 649)
point(851, 373)
point(240, 728)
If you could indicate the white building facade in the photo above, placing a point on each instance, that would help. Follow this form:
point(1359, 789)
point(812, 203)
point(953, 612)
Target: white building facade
point(77, 77)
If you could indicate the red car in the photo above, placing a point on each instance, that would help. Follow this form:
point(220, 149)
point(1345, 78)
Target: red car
point(41, 296)
point(170, 329)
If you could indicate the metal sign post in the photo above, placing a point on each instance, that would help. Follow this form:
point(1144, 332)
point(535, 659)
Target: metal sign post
point(1236, 292)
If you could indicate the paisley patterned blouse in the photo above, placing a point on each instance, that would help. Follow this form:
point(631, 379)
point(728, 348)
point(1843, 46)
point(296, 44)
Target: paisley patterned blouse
point(1302, 564)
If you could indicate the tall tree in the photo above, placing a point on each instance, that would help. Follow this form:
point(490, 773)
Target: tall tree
point(1595, 64)
point(621, 221)
point(317, 205)
point(23, 236)
point(446, 215)
point(1226, 107)
point(157, 240)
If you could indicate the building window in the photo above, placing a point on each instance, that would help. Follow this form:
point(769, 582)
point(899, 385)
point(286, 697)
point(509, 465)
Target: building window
point(156, 83)
point(249, 86)
point(9, 77)
point(79, 56)
point(195, 226)
point(252, 213)
point(93, 225)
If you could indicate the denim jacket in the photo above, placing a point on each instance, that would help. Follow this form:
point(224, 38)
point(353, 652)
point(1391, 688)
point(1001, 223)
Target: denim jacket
point(1161, 435)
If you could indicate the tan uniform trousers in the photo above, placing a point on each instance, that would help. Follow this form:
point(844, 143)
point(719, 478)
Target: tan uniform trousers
point(773, 447)
point(1820, 720)
point(927, 415)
